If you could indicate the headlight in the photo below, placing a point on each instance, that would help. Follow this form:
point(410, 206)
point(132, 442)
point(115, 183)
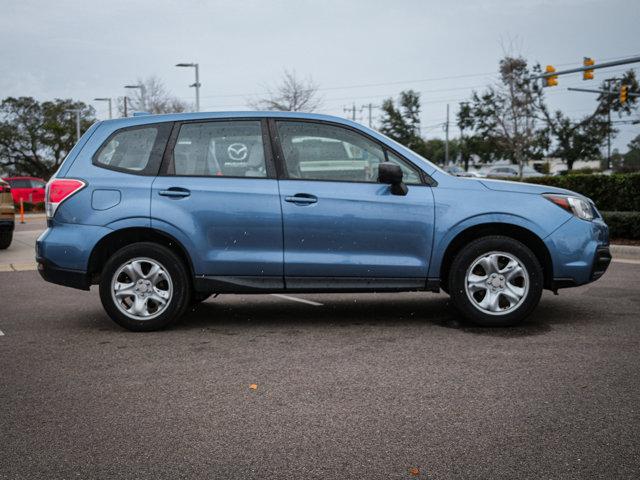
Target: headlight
point(574, 205)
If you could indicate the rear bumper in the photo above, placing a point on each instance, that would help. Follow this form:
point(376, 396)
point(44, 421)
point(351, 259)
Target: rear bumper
point(63, 252)
point(62, 276)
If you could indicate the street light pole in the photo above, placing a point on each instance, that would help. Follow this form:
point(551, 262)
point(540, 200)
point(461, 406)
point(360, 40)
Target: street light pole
point(77, 111)
point(197, 84)
point(105, 99)
point(143, 93)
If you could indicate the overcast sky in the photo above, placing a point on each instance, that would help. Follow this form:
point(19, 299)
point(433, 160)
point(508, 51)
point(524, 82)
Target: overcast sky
point(86, 49)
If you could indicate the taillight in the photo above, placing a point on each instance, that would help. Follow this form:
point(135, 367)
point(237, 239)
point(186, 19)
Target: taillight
point(58, 190)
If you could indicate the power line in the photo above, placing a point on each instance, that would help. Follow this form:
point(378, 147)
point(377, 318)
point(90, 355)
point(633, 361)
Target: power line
point(397, 82)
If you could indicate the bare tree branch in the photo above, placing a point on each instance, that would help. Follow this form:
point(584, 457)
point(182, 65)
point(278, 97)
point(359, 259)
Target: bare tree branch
point(292, 95)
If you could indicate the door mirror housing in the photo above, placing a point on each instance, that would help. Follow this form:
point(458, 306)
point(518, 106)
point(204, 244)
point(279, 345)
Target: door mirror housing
point(391, 174)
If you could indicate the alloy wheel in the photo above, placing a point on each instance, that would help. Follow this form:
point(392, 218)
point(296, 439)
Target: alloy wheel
point(497, 283)
point(142, 288)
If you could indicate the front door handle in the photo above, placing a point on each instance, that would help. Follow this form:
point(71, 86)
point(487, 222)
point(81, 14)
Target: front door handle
point(301, 199)
point(175, 192)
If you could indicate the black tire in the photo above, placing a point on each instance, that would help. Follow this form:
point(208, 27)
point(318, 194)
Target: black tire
point(173, 265)
point(458, 281)
point(5, 240)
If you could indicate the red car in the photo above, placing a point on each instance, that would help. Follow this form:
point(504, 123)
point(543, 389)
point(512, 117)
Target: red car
point(29, 189)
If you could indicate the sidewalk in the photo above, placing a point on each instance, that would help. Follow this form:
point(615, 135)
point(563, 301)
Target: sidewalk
point(21, 254)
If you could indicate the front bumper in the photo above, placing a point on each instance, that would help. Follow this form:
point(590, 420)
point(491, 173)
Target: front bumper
point(601, 262)
point(579, 252)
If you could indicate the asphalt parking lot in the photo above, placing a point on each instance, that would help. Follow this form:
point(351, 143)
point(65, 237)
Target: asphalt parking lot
point(346, 386)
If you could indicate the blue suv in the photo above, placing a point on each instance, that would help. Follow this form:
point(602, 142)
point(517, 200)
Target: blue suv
point(163, 211)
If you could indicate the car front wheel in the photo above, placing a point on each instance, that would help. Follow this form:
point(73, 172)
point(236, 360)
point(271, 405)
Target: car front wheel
point(495, 281)
point(145, 287)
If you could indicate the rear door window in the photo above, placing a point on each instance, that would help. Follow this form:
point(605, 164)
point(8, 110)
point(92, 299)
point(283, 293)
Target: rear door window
point(220, 149)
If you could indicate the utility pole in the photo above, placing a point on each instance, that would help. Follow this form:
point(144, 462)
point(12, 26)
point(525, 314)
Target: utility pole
point(446, 136)
point(370, 107)
point(352, 110)
point(609, 91)
point(77, 111)
point(125, 106)
point(609, 138)
point(609, 126)
point(463, 157)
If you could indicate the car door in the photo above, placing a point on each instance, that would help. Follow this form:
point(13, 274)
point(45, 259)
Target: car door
point(343, 229)
point(218, 194)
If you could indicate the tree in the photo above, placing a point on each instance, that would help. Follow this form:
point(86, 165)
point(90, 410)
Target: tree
point(434, 150)
point(583, 139)
point(35, 137)
point(609, 101)
point(401, 121)
point(291, 95)
point(156, 99)
point(630, 161)
point(577, 140)
point(506, 113)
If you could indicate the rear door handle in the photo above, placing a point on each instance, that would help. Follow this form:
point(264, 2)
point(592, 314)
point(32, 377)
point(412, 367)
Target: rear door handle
point(301, 199)
point(175, 192)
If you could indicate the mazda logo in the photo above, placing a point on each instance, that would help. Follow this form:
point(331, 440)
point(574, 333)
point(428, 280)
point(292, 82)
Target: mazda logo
point(237, 151)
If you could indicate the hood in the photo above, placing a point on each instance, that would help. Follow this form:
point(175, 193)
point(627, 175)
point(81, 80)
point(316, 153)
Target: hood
point(521, 187)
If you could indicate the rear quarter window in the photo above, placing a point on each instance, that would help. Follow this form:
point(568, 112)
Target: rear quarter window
point(134, 150)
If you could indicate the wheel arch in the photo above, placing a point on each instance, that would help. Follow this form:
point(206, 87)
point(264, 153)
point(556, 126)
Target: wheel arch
point(112, 242)
point(522, 234)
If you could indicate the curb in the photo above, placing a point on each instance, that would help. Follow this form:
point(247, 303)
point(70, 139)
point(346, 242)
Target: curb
point(18, 267)
point(630, 252)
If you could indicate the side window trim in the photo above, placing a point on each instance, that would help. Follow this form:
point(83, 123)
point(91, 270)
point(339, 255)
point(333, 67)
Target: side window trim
point(167, 158)
point(281, 164)
point(155, 157)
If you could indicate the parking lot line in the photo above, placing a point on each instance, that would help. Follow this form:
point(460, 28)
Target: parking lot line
point(1, 333)
point(294, 299)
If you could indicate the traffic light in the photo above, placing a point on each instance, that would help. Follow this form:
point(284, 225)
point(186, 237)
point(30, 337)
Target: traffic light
point(624, 91)
point(552, 80)
point(587, 74)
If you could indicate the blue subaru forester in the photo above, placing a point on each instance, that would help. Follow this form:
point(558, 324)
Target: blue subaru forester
point(163, 211)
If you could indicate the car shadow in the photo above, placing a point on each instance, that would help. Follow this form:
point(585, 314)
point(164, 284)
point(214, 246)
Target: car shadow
point(362, 311)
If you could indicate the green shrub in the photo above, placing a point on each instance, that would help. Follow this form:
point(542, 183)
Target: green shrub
point(617, 192)
point(623, 224)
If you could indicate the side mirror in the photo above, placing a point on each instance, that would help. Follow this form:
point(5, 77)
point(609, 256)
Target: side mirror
point(391, 174)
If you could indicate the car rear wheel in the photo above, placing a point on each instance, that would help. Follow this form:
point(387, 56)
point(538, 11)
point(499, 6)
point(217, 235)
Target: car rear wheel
point(495, 281)
point(145, 287)
point(5, 240)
